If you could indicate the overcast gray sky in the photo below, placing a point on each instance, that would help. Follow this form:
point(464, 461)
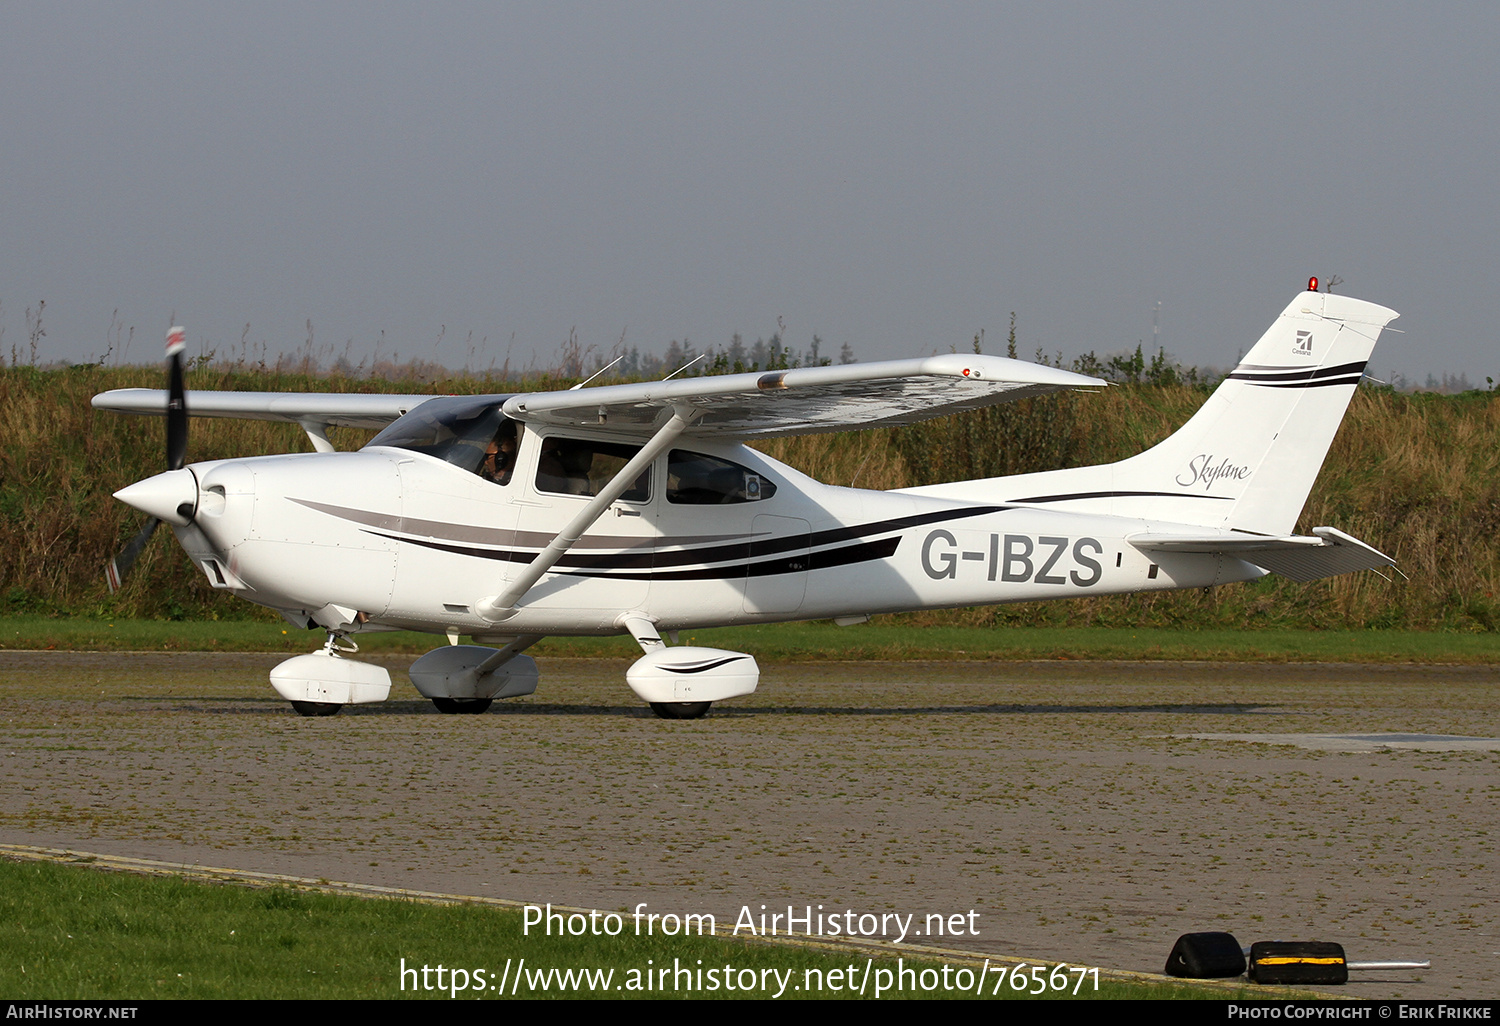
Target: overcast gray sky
point(892, 176)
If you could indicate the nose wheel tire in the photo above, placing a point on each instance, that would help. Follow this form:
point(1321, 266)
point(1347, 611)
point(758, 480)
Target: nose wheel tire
point(680, 710)
point(462, 705)
point(317, 708)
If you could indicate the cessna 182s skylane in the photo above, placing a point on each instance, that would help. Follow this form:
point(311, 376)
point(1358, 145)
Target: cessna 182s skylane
point(636, 508)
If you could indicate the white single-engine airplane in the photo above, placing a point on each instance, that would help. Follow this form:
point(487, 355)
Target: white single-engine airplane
point(637, 509)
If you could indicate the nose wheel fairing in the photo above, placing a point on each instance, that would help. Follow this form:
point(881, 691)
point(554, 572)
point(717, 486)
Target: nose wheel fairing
point(328, 679)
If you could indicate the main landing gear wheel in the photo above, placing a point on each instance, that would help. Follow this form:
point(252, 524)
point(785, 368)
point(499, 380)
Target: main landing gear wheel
point(680, 710)
point(317, 708)
point(462, 705)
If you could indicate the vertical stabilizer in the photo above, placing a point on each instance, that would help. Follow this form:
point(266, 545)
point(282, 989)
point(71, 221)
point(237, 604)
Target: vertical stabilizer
point(1248, 458)
point(1258, 443)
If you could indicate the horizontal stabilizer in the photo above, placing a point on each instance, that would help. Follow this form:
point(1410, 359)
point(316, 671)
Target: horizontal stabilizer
point(1301, 558)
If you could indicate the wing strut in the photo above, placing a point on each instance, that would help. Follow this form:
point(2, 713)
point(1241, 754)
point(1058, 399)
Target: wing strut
point(503, 606)
point(317, 434)
point(506, 654)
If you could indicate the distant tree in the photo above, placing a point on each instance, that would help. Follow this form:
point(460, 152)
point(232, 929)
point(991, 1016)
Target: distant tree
point(1089, 364)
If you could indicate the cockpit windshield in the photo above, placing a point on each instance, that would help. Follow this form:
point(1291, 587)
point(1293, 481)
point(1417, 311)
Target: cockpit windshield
point(456, 429)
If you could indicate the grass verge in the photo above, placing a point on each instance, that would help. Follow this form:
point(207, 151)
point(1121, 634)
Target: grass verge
point(808, 642)
point(72, 933)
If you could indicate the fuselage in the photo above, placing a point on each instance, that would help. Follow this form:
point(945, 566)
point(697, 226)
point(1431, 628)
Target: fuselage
point(715, 534)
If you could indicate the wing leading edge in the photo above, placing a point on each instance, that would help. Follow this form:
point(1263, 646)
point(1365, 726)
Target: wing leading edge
point(339, 409)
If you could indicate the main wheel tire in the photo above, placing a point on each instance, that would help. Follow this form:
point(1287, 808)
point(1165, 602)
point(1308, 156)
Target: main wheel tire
point(680, 710)
point(462, 705)
point(317, 708)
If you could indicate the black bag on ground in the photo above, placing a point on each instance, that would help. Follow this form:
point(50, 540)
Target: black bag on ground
point(1298, 962)
point(1206, 956)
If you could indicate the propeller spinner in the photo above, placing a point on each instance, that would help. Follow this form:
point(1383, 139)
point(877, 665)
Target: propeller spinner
point(149, 495)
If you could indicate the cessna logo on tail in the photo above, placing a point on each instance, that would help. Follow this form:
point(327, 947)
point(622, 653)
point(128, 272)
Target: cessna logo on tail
point(1202, 469)
point(1303, 345)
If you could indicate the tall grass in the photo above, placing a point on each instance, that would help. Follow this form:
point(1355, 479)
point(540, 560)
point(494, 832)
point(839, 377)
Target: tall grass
point(1413, 475)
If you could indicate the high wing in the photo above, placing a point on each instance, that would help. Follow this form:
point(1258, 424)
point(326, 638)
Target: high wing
point(1329, 553)
point(786, 402)
point(338, 409)
point(803, 400)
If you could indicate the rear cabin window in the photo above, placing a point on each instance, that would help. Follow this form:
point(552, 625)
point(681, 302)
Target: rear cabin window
point(580, 466)
point(694, 479)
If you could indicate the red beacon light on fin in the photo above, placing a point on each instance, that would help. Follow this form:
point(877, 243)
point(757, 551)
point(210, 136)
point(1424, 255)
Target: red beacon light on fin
point(1312, 284)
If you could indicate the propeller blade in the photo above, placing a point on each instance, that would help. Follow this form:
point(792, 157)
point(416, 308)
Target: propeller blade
point(177, 429)
point(118, 567)
point(177, 415)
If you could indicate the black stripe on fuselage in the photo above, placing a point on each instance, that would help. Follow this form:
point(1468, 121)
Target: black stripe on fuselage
point(750, 548)
point(1122, 495)
point(795, 563)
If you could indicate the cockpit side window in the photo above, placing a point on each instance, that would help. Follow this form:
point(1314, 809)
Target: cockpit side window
point(694, 479)
point(460, 430)
point(499, 463)
point(581, 466)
